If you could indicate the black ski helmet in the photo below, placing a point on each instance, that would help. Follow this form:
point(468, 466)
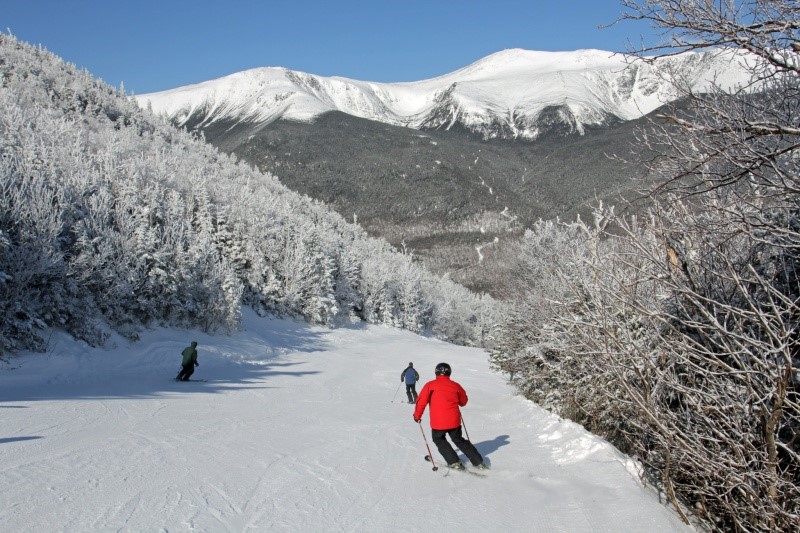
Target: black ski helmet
point(443, 369)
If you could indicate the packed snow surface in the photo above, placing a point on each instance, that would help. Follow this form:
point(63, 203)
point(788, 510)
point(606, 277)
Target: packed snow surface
point(298, 428)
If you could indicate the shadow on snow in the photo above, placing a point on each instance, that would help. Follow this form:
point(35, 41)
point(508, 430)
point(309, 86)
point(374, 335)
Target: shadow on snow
point(18, 439)
point(488, 446)
point(244, 360)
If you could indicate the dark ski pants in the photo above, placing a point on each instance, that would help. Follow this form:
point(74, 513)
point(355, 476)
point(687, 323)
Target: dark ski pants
point(185, 373)
point(411, 392)
point(447, 451)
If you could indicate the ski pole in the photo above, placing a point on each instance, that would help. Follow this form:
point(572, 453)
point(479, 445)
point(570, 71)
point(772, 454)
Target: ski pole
point(466, 433)
point(395, 392)
point(435, 468)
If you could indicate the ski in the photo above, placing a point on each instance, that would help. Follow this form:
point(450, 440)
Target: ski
point(465, 469)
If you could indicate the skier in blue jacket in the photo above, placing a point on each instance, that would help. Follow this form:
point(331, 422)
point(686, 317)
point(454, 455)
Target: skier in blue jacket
point(410, 376)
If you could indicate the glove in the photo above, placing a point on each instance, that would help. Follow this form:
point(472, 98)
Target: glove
point(417, 420)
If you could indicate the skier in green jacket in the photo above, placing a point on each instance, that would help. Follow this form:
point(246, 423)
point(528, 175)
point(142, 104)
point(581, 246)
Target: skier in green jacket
point(189, 362)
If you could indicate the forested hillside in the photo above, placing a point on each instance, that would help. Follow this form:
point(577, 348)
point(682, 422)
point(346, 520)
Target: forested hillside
point(459, 202)
point(111, 219)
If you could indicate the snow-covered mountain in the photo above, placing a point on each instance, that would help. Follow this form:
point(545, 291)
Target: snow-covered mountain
point(511, 94)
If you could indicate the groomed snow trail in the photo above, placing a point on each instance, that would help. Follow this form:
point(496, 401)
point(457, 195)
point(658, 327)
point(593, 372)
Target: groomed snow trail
point(295, 430)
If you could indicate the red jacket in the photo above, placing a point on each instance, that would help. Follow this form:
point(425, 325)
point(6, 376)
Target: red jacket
point(445, 397)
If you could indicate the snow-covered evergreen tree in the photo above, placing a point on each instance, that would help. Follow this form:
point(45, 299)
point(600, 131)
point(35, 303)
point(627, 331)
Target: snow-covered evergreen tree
point(112, 218)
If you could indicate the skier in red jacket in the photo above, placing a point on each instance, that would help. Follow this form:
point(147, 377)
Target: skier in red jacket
point(445, 397)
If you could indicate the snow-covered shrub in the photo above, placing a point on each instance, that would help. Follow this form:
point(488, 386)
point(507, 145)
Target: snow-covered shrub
point(675, 334)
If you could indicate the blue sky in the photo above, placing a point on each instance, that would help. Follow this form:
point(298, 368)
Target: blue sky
point(156, 45)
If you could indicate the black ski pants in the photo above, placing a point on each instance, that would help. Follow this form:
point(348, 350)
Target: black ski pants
point(411, 392)
point(447, 451)
point(185, 373)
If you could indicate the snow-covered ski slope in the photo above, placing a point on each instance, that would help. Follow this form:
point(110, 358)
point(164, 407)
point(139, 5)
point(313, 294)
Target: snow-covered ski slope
point(295, 430)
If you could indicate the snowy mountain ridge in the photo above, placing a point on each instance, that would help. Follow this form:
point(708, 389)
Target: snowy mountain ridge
point(514, 93)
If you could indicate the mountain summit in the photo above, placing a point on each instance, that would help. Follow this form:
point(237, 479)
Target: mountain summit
point(512, 94)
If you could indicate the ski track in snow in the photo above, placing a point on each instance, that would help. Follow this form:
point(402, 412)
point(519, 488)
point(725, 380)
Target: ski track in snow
point(296, 429)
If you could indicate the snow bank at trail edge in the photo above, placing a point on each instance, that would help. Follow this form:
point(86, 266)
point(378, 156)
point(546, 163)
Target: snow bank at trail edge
point(298, 428)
